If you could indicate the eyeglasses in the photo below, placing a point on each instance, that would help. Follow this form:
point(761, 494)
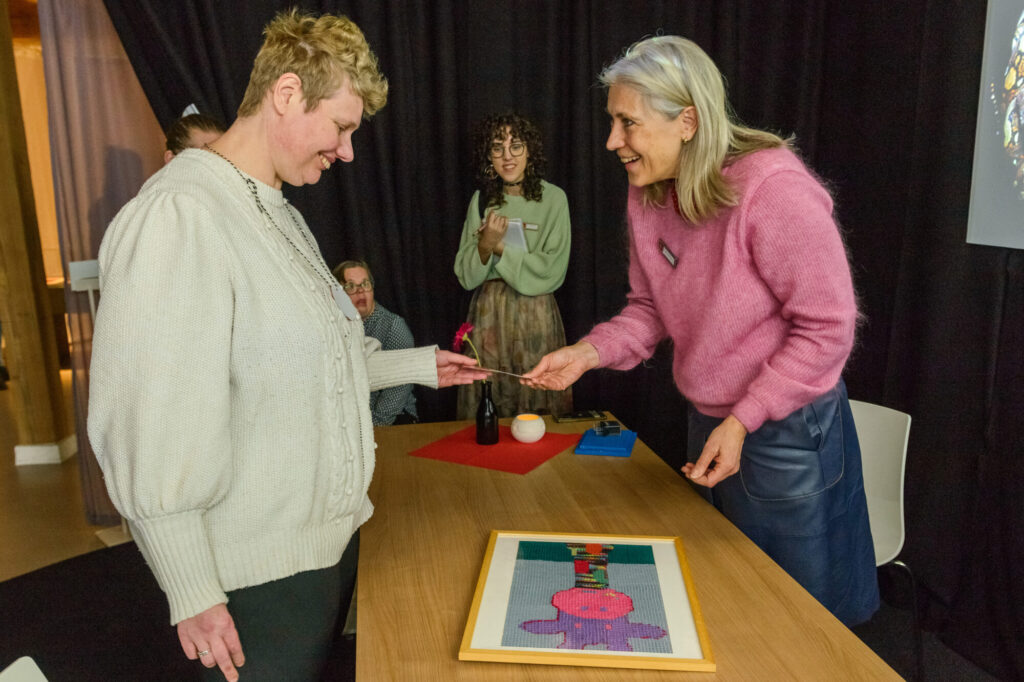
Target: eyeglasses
point(352, 287)
point(515, 149)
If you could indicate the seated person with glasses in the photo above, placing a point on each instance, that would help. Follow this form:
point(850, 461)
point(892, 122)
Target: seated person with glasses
point(395, 405)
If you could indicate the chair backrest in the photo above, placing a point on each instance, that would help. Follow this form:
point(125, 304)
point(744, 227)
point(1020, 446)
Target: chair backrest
point(84, 275)
point(883, 434)
point(22, 670)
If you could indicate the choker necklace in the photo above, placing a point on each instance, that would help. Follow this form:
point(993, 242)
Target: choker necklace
point(251, 184)
point(513, 184)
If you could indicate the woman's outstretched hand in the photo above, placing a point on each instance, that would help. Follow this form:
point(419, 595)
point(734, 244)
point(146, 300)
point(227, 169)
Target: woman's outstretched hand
point(560, 369)
point(454, 369)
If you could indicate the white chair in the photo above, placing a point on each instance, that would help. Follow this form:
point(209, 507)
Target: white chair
point(883, 434)
point(84, 275)
point(22, 670)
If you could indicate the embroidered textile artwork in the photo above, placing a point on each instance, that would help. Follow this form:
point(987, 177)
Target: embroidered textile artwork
point(1008, 98)
point(593, 589)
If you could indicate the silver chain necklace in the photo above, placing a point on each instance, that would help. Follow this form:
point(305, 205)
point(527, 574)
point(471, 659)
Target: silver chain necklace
point(251, 184)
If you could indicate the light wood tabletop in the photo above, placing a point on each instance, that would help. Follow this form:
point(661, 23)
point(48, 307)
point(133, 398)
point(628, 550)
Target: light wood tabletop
point(421, 553)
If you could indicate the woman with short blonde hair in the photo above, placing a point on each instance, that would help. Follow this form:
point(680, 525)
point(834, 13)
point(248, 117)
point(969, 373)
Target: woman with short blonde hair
point(231, 379)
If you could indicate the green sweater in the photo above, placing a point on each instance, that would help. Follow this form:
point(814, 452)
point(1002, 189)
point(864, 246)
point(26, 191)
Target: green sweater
point(539, 271)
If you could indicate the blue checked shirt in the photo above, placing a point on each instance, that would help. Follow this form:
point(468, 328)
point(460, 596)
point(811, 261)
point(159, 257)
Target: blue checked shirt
point(393, 334)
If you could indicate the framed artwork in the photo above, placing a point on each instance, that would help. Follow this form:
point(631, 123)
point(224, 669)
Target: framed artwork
point(617, 601)
point(996, 214)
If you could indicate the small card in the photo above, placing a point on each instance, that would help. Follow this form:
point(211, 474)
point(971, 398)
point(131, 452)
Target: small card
point(514, 235)
point(667, 253)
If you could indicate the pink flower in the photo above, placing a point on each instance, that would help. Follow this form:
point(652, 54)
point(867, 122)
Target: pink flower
point(463, 335)
point(460, 336)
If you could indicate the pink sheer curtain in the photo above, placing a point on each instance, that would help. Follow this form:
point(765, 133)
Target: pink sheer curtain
point(105, 141)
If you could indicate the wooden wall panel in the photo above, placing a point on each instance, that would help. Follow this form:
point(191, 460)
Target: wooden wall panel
point(25, 310)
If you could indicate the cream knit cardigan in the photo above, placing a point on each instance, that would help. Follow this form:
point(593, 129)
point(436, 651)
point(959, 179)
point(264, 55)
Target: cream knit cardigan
point(229, 397)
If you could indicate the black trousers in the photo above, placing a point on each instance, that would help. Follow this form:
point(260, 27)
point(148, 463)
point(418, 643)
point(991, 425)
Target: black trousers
point(288, 627)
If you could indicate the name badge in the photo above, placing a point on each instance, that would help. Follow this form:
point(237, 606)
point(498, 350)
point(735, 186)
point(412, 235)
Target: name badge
point(667, 253)
point(344, 302)
point(531, 226)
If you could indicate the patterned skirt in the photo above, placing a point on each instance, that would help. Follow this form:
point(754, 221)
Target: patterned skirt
point(512, 332)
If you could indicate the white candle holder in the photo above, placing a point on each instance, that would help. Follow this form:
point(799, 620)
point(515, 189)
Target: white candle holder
point(528, 428)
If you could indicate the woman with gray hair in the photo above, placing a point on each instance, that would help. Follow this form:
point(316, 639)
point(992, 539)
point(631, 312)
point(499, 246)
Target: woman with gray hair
point(735, 256)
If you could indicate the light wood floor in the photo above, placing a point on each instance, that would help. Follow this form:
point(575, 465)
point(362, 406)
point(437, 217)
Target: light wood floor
point(42, 514)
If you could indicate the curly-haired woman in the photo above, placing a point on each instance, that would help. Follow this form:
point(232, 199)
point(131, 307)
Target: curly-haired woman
point(513, 309)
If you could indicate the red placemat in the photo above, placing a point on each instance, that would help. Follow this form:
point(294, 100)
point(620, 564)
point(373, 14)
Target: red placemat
point(507, 454)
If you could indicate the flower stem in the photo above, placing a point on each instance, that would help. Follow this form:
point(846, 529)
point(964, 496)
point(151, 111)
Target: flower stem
point(470, 342)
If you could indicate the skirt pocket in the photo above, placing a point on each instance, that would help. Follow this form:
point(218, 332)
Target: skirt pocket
point(798, 456)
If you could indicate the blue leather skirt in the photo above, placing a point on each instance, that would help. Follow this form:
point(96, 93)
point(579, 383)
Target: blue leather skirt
point(799, 495)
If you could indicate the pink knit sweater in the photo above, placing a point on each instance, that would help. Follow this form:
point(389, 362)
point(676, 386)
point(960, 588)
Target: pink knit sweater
point(760, 304)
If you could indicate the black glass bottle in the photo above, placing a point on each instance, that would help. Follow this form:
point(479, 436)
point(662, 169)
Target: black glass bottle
point(486, 417)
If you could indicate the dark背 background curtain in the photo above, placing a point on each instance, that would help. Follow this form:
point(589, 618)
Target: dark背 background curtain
point(882, 99)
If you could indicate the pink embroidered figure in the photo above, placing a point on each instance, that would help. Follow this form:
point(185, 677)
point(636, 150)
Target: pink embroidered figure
point(591, 612)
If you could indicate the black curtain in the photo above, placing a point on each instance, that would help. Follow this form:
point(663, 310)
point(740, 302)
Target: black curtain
point(881, 97)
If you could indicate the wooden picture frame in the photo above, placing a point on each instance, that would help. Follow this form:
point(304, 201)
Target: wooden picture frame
point(617, 601)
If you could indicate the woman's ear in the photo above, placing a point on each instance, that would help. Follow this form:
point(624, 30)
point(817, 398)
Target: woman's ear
point(688, 123)
point(287, 88)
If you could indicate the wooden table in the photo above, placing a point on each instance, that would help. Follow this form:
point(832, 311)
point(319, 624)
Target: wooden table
point(421, 553)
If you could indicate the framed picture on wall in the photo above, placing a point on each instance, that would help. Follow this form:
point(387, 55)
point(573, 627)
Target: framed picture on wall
point(621, 601)
point(996, 214)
